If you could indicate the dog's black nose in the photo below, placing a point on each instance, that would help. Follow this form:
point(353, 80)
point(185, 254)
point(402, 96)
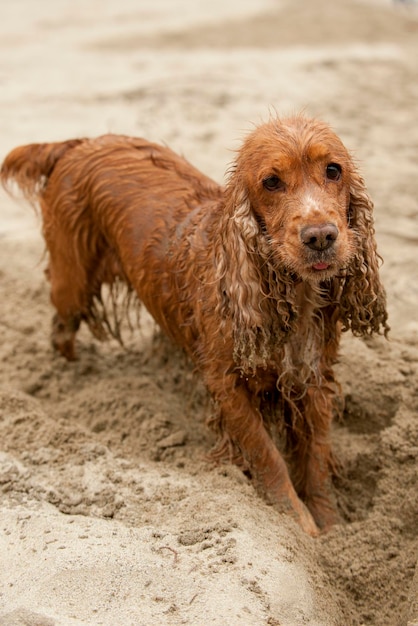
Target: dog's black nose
point(320, 237)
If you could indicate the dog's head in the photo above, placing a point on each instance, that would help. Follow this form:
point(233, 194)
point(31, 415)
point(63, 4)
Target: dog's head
point(296, 202)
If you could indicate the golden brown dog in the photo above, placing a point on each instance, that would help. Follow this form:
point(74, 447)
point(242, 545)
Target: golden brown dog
point(254, 281)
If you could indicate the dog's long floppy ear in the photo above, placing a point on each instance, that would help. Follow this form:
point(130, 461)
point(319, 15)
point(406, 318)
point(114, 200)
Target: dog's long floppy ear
point(258, 304)
point(363, 301)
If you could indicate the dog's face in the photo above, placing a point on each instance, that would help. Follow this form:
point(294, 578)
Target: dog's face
point(296, 177)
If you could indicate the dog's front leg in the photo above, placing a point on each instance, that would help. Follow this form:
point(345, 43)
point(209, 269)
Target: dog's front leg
point(243, 425)
point(313, 458)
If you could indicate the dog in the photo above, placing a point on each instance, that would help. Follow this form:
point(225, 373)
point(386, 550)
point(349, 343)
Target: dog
point(255, 280)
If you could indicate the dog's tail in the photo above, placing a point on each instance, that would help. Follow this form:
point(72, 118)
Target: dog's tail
point(30, 166)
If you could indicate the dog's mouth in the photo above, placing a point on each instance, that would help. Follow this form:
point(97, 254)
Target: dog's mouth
point(321, 266)
point(325, 261)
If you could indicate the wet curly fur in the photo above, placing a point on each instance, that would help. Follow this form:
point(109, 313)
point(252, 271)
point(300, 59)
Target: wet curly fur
point(255, 280)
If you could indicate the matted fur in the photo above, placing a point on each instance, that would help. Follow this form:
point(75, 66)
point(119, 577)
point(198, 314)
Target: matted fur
point(228, 274)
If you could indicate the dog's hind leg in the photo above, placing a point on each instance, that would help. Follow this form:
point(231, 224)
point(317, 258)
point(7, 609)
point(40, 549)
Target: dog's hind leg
point(68, 274)
point(69, 297)
point(63, 335)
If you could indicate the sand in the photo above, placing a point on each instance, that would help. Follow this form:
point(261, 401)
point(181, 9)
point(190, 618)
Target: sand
point(110, 513)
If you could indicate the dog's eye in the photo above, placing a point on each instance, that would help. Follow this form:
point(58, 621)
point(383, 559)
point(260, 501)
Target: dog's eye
point(333, 171)
point(273, 183)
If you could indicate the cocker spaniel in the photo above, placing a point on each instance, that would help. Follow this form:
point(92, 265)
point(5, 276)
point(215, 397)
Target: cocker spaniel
point(255, 281)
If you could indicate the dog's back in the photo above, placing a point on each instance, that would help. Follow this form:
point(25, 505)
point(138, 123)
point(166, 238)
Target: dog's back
point(111, 208)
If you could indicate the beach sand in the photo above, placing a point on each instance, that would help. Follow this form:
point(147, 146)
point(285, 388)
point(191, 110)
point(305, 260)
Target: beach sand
point(110, 513)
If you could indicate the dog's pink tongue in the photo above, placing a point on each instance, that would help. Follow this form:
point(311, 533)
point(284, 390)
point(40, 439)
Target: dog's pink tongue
point(320, 266)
